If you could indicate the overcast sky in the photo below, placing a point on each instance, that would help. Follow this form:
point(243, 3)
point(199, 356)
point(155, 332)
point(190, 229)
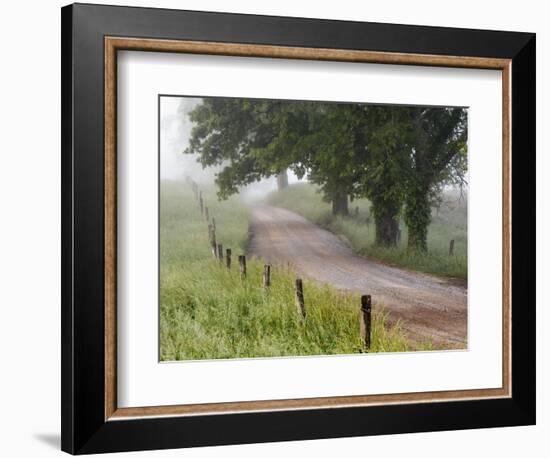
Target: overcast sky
point(175, 129)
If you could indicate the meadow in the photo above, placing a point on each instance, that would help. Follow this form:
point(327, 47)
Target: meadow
point(449, 222)
point(209, 312)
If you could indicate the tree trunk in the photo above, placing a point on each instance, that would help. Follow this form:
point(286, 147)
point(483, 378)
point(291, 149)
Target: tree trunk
point(418, 215)
point(282, 180)
point(340, 204)
point(387, 228)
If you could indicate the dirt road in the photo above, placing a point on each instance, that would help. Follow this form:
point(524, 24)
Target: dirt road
point(428, 307)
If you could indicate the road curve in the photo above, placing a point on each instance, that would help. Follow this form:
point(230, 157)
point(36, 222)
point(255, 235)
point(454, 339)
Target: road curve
point(428, 307)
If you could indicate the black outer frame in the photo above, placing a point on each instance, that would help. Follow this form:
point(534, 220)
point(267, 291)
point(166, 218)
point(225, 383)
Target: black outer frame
point(84, 429)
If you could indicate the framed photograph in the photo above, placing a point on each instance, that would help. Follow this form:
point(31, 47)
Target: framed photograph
point(281, 228)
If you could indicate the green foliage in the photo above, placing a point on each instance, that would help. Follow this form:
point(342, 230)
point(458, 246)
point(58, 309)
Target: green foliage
point(449, 222)
point(393, 155)
point(207, 312)
point(439, 156)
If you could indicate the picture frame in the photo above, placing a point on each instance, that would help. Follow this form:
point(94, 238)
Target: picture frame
point(92, 35)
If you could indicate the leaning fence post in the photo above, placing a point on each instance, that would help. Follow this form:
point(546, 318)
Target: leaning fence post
point(451, 247)
point(267, 276)
point(365, 322)
point(242, 266)
point(228, 258)
point(220, 252)
point(299, 290)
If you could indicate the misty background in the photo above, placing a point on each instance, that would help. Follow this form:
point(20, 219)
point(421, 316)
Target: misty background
point(175, 132)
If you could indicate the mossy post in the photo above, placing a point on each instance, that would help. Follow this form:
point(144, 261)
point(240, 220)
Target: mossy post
point(299, 291)
point(228, 258)
point(267, 276)
point(242, 266)
point(365, 322)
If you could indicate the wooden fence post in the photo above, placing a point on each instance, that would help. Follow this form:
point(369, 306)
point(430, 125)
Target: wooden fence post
point(201, 203)
point(451, 247)
point(228, 258)
point(365, 322)
point(299, 290)
point(267, 276)
point(220, 252)
point(213, 244)
point(242, 266)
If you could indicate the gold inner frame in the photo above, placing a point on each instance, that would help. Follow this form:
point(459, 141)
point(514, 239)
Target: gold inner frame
point(112, 45)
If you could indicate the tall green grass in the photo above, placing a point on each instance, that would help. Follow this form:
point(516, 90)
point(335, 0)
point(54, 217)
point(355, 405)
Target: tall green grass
point(449, 222)
point(207, 312)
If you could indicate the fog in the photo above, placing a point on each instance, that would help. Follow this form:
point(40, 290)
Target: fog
point(175, 132)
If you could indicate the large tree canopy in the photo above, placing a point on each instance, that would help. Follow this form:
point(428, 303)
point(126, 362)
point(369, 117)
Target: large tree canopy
point(395, 156)
point(438, 156)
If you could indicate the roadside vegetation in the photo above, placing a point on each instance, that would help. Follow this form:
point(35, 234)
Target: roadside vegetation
point(208, 312)
point(448, 222)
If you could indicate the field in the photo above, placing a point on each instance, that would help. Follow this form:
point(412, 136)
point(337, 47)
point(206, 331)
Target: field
point(208, 312)
point(449, 222)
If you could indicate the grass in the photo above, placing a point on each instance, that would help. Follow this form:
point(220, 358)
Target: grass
point(207, 312)
point(449, 222)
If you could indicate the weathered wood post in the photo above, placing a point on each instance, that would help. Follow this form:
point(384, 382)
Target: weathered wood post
point(228, 258)
point(213, 244)
point(365, 321)
point(299, 290)
point(267, 276)
point(220, 252)
point(451, 247)
point(201, 203)
point(242, 266)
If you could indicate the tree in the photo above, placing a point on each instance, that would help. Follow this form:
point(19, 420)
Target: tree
point(438, 156)
point(282, 180)
point(393, 155)
point(237, 134)
point(253, 139)
point(387, 140)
